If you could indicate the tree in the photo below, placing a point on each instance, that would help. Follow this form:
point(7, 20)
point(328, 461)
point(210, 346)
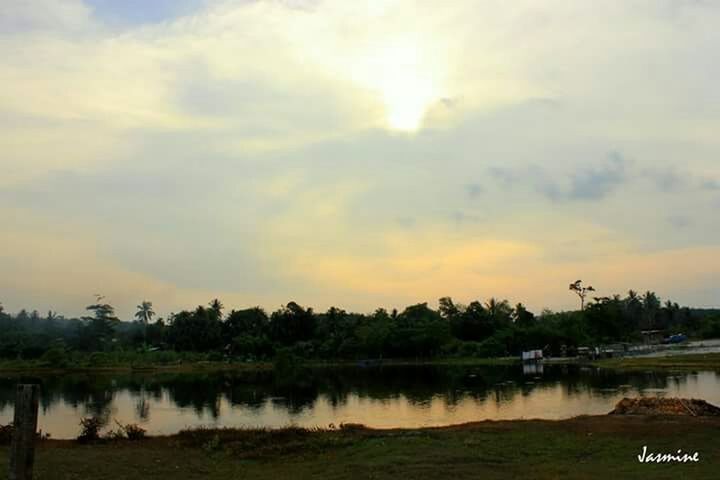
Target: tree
point(581, 291)
point(448, 310)
point(651, 306)
point(522, 317)
point(499, 311)
point(292, 323)
point(101, 325)
point(216, 306)
point(144, 314)
point(199, 330)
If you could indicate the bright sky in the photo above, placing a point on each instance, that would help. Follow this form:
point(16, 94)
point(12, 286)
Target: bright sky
point(358, 154)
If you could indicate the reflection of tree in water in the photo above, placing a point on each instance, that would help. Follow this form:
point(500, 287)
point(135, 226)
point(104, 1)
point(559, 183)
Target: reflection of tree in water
point(142, 408)
point(201, 392)
point(94, 394)
point(295, 390)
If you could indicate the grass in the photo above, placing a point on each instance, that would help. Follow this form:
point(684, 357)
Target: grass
point(188, 363)
point(580, 448)
point(700, 361)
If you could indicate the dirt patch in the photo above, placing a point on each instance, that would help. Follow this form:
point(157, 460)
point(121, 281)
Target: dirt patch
point(665, 406)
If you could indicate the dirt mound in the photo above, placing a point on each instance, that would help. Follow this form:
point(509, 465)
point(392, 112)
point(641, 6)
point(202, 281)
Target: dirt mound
point(665, 406)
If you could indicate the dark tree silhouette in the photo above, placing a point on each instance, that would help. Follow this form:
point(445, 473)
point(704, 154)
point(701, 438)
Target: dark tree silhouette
point(581, 291)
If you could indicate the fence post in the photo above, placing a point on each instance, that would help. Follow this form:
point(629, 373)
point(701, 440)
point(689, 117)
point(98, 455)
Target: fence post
point(22, 451)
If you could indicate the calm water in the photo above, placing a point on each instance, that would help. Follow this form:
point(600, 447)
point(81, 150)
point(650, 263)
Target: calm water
point(379, 397)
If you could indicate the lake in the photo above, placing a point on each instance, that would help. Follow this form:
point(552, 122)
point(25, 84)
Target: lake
point(383, 397)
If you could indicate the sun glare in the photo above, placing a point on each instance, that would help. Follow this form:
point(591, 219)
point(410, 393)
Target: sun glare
point(406, 102)
point(406, 82)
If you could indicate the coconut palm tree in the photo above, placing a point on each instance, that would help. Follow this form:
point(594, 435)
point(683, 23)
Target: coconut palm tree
point(144, 314)
point(217, 307)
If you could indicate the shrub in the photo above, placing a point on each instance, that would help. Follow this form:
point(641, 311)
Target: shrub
point(711, 328)
point(131, 431)
point(6, 432)
point(469, 349)
point(134, 432)
point(490, 347)
point(90, 429)
point(215, 357)
point(55, 357)
point(97, 359)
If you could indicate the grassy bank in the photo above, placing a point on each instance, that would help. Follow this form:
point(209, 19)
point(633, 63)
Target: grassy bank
point(184, 363)
point(580, 448)
point(702, 361)
point(138, 362)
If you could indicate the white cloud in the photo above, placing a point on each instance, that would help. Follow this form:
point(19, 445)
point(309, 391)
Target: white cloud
point(267, 133)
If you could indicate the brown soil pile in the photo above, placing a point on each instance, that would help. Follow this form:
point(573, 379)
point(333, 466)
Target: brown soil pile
point(665, 406)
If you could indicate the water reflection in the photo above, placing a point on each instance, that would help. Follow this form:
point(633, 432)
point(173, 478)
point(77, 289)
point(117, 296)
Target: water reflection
point(381, 397)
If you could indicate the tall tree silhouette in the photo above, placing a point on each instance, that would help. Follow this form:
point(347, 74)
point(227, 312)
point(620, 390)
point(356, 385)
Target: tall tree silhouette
point(581, 291)
point(144, 314)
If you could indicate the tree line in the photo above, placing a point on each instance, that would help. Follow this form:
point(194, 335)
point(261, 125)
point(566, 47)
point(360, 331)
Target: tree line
point(480, 329)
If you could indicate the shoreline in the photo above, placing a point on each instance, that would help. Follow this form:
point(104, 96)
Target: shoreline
point(684, 361)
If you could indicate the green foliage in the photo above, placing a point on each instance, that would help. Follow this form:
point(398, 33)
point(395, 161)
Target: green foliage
point(286, 362)
point(491, 347)
point(478, 329)
point(710, 328)
point(55, 357)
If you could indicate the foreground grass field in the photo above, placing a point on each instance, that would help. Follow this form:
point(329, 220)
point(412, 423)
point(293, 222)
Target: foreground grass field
point(581, 448)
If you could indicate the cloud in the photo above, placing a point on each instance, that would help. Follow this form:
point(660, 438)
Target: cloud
point(18, 16)
point(137, 12)
point(593, 183)
point(586, 182)
point(474, 190)
point(247, 149)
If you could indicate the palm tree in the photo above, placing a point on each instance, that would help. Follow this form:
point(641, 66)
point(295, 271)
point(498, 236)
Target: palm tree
point(651, 304)
point(217, 307)
point(144, 314)
point(498, 310)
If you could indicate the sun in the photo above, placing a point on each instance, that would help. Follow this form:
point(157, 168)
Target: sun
point(406, 101)
point(406, 81)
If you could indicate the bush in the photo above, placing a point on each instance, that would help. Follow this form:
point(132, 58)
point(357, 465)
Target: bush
point(55, 357)
point(490, 347)
point(286, 362)
point(97, 359)
point(90, 429)
point(134, 432)
point(469, 349)
point(6, 432)
point(711, 328)
point(215, 357)
point(130, 431)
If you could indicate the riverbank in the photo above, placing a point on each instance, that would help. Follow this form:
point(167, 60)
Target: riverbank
point(684, 362)
point(579, 448)
point(681, 361)
point(39, 367)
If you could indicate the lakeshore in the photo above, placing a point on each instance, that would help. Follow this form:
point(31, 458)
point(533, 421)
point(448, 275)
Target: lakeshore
point(681, 361)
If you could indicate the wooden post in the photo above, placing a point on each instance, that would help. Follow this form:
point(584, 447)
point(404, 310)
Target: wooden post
point(22, 451)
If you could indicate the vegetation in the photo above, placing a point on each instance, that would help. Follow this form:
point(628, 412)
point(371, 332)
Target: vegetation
point(477, 330)
point(700, 361)
point(577, 449)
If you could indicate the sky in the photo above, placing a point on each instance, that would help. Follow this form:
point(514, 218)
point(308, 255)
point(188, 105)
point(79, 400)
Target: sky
point(358, 154)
